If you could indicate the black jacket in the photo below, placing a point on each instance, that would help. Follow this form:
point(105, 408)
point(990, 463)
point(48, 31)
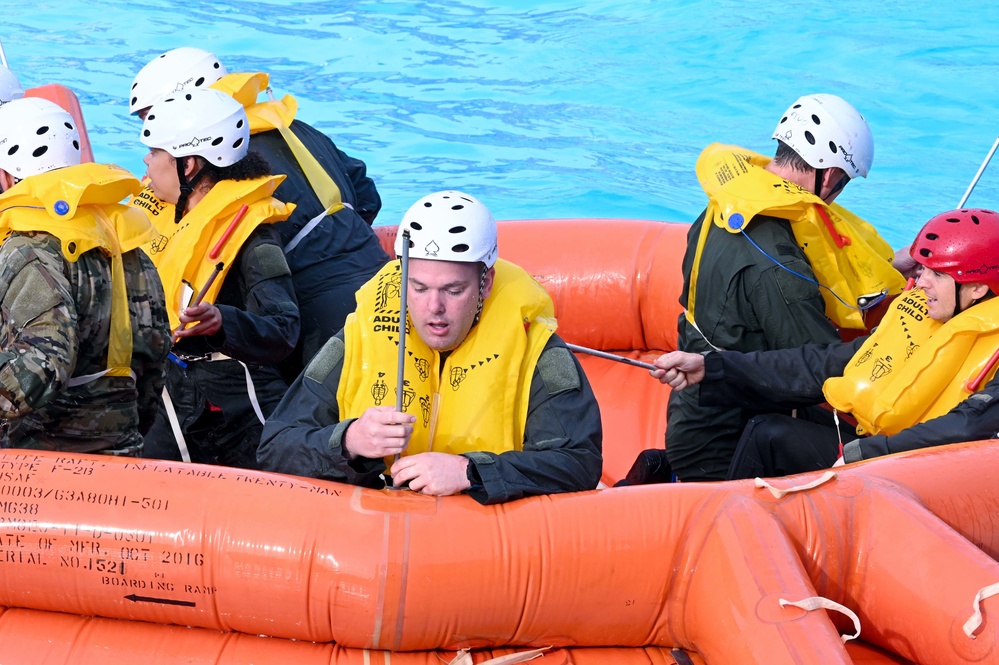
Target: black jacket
point(745, 302)
point(780, 380)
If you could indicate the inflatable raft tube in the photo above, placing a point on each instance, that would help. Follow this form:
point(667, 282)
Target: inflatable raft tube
point(901, 545)
point(30, 637)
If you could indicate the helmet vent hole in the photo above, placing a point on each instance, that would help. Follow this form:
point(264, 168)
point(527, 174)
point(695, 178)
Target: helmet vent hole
point(925, 253)
point(953, 220)
point(187, 96)
point(42, 130)
point(12, 150)
point(134, 99)
point(416, 226)
point(239, 124)
point(238, 142)
point(458, 249)
point(40, 150)
point(974, 218)
point(76, 144)
point(782, 120)
point(809, 138)
point(133, 88)
point(216, 65)
point(200, 82)
point(218, 141)
point(832, 147)
point(146, 133)
point(457, 229)
point(457, 207)
point(428, 204)
point(932, 236)
point(796, 106)
point(150, 117)
point(68, 126)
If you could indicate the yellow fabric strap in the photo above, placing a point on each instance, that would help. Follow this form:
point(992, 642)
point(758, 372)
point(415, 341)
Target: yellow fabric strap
point(846, 253)
point(912, 368)
point(321, 182)
point(479, 400)
point(79, 206)
point(182, 258)
point(279, 114)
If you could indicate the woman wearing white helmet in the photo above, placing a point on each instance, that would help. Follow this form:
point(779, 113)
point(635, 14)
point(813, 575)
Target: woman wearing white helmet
point(83, 330)
point(224, 382)
point(494, 404)
point(328, 242)
point(175, 71)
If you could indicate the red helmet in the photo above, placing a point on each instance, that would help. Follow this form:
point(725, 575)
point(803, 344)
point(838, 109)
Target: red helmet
point(963, 244)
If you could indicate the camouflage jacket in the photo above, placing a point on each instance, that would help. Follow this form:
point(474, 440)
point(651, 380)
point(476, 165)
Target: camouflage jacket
point(54, 326)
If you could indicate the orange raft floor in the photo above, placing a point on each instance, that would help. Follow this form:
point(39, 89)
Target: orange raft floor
point(906, 543)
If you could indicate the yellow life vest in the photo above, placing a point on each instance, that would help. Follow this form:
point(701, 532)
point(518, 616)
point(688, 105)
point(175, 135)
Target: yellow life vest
point(278, 114)
point(479, 400)
point(80, 206)
point(845, 252)
point(912, 368)
point(263, 116)
point(182, 257)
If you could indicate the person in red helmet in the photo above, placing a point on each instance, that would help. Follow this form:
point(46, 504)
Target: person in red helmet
point(925, 377)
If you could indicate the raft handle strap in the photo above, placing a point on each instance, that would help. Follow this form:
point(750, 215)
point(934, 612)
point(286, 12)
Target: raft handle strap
point(465, 658)
point(781, 493)
point(820, 603)
point(972, 624)
point(178, 434)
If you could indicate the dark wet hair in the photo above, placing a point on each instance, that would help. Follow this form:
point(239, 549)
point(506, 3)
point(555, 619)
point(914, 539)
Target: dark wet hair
point(786, 156)
point(252, 166)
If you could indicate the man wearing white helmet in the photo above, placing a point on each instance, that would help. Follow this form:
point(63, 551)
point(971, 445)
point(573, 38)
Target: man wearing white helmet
point(223, 247)
point(329, 244)
point(10, 87)
point(494, 404)
point(83, 330)
point(773, 263)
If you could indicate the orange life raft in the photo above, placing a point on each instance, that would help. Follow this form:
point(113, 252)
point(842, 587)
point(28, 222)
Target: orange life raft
point(905, 543)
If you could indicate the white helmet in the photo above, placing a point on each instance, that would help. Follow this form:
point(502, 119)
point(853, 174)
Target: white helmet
point(174, 71)
point(10, 87)
point(450, 226)
point(36, 136)
point(826, 131)
point(207, 123)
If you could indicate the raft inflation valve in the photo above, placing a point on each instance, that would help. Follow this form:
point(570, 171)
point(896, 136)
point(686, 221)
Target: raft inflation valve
point(61, 207)
point(735, 221)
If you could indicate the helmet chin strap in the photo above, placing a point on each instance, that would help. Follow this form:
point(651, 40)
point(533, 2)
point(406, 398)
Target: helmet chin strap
point(186, 189)
point(482, 284)
point(818, 182)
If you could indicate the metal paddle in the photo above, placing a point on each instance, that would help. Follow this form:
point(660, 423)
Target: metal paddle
point(403, 291)
point(611, 356)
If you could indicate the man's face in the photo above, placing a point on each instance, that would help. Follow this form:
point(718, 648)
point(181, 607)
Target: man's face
point(939, 289)
point(161, 169)
point(443, 300)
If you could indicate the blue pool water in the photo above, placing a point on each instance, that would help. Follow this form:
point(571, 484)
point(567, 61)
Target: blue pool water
point(565, 108)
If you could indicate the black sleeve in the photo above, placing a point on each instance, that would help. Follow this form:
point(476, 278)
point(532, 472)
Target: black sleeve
point(367, 200)
point(562, 438)
point(974, 419)
point(304, 435)
point(773, 380)
point(260, 319)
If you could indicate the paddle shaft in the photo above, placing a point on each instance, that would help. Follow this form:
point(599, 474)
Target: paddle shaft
point(219, 267)
point(403, 292)
point(611, 356)
point(981, 170)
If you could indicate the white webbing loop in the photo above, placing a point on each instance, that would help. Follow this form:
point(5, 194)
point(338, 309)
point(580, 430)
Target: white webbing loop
point(178, 433)
point(820, 603)
point(972, 624)
point(465, 658)
point(781, 493)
